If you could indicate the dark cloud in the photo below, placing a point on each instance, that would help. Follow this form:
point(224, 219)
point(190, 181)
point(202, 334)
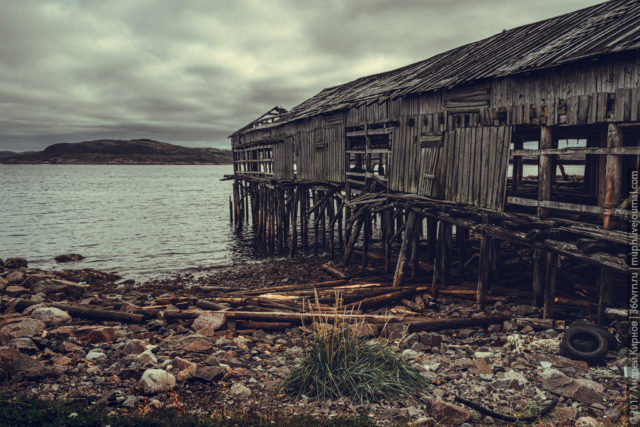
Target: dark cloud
point(192, 72)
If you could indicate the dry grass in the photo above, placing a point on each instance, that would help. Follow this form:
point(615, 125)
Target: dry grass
point(336, 361)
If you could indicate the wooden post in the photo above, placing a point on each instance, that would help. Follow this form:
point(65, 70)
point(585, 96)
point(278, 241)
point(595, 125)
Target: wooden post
point(230, 210)
point(550, 287)
point(353, 236)
point(483, 271)
point(538, 277)
point(316, 223)
point(612, 197)
point(545, 172)
point(304, 219)
point(432, 235)
point(331, 213)
point(347, 231)
point(545, 166)
point(399, 273)
point(387, 224)
point(294, 223)
point(462, 235)
point(323, 219)
point(516, 167)
point(365, 238)
point(415, 246)
point(613, 178)
point(340, 213)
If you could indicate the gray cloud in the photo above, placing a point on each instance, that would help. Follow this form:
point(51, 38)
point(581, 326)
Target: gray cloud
point(192, 72)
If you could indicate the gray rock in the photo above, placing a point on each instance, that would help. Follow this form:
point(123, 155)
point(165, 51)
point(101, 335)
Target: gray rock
point(582, 390)
point(147, 358)
point(209, 373)
point(240, 390)
point(25, 328)
point(13, 263)
point(51, 315)
point(511, 379)
point(95, 354)
point(25, 345)
point(134, 346)
point(156, 380)
point(130, 402)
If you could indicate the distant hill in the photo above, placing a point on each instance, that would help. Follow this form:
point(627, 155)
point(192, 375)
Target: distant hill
point(6, 154)
point(115, 152)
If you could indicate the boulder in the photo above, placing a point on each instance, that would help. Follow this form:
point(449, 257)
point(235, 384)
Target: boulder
point(16, 276)
point(187, 369)
point(448, 414)
point(13, 362)
point(25, 345)
point(25, 328)
point(50, 286)
point(430, 339)
point(69, 258)
point(13, 263)
point(582, 390)
point(156, 380)
point(95, 334)
point(95, 354)
point(147, 358)
point(134, 346)
point(15, 291)
point(207, 323)
point(51, 315)
point(241, 391)
point(209, 373)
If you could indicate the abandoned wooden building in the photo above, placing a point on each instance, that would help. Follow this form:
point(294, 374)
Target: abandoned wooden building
point(418, 159)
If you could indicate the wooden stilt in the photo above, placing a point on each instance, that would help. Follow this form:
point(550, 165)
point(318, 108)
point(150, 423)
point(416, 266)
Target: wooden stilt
point(483, 271)
point(399, 273)
point(538, 277)
point(294, 223)
point(304, 219)
point(387, 224)
point(415, 244)
point(331, 214)
point(366, 236)
point(550, 286)
point(353, 237)
point(461, 242)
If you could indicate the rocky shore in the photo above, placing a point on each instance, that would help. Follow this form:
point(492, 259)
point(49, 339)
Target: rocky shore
point(158, 358)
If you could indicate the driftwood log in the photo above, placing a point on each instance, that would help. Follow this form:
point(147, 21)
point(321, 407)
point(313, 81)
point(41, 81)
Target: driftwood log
point(85, 312)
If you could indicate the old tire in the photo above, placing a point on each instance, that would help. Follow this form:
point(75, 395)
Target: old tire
point(611, 338)
point(584, 343)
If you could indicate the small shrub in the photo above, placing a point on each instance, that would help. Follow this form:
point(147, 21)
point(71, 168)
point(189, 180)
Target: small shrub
point(335, 362)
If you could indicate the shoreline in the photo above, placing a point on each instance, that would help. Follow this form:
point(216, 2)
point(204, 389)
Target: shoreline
point(230, 370)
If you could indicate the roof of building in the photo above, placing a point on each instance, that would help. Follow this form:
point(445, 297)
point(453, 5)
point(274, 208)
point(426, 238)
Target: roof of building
point(603, 29)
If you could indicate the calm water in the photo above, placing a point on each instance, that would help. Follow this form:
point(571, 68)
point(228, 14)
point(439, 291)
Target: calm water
point(142, 221)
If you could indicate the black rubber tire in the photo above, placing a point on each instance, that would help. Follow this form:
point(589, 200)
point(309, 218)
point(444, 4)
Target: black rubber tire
point(611, 338)
point(584, 343)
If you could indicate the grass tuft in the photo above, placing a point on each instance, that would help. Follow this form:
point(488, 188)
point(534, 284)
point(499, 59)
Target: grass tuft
point(336, 362)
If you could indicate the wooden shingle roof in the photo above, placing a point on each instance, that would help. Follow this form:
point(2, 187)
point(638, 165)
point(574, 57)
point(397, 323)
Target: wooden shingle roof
point(603, 29)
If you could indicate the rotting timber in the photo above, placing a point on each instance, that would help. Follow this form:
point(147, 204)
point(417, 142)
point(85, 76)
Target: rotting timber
point(425, 160)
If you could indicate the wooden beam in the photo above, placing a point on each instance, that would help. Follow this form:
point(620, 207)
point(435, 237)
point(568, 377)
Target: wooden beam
point(616, 150)
point(573, 207)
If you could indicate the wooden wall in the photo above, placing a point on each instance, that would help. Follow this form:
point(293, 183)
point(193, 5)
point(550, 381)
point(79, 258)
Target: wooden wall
point(283, 159)
point(472, 123)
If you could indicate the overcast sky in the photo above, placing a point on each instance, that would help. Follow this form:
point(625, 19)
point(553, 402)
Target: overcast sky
point(191, 72)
